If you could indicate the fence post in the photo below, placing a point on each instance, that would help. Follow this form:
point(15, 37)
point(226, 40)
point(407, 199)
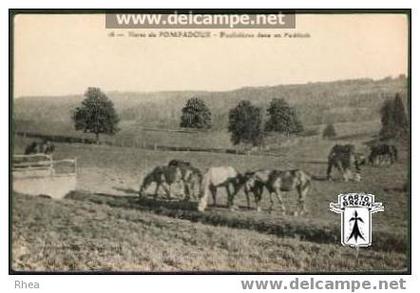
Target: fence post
point(75, 166)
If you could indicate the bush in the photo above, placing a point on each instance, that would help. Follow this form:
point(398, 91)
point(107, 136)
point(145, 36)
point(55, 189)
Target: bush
point(329, 131)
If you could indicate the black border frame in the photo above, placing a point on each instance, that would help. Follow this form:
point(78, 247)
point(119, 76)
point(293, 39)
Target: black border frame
point(15, 11)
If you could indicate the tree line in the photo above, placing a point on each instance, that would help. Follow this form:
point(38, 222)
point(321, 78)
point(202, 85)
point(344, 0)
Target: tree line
point(247, 123)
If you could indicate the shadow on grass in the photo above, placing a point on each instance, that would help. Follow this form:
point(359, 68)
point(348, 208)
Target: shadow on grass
point(313, 162)
point(301, 228)
point(128, 191)
point(319, 178)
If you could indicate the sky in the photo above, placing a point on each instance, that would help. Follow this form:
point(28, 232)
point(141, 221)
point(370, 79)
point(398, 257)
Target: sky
point(65, 54)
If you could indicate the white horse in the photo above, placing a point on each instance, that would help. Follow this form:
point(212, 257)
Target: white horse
point(216, 177)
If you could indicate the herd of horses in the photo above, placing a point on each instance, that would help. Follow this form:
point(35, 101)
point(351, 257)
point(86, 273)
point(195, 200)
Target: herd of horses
point(198, 186)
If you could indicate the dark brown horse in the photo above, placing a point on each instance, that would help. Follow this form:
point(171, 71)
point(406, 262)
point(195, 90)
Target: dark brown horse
point(163, 176)
point(342, 157)
point(383, 153)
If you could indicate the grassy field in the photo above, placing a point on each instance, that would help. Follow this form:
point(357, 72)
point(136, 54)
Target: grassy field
point(104, 227)
point(132, 133)
point(74, 235)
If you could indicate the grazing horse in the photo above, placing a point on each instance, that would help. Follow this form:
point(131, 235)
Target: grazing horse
point(191, 178)
point(164, 176)
point(343, 157)
point(44, 147)
point(216, 177)
point(382, 153)
point(276, 182)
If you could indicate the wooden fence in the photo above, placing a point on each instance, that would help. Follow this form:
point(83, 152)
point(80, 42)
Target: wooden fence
point(39, 174)
point(145, 145)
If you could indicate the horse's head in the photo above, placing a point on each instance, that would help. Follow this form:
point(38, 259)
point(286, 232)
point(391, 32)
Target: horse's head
point(360, 159)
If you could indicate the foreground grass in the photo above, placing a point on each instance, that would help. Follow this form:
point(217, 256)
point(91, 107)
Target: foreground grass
point(80, 235)
point(302, 228)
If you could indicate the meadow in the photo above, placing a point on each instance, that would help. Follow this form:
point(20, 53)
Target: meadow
point(104, 226)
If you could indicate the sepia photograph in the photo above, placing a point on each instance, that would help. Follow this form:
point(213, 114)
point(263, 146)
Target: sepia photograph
point(205, 142)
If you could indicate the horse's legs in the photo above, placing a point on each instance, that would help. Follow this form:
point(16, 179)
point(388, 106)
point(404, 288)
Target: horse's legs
point(340, 168)
point(202, 205)
point(271, 202)
point(168, 189)
point(230, 195)
point(258, 194)
point(156, 189)
point(329, 169)
point(213, 191)
point(247, 198)
point(301, 209)
point(383, 160)
point(194, 190)
point(347, 174)
point(271, 191)
point(145, 184)
point(277, 193)
point(187, 190)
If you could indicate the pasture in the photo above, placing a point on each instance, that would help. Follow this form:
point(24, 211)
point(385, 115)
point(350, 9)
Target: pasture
point(133, 134)
point(105, 227)
point(74, 235)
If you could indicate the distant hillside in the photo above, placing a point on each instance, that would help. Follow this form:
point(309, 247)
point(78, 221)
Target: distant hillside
point(316, 103)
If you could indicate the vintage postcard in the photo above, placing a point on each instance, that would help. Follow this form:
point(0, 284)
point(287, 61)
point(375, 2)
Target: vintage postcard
point(197, 141)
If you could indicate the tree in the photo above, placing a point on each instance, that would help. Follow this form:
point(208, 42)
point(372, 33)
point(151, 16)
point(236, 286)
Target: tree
point(96, 114)
point(283, 118)
point(329, 131)
point(394, 119)
point(196, 114)
point(245, 124)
